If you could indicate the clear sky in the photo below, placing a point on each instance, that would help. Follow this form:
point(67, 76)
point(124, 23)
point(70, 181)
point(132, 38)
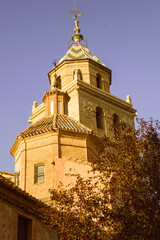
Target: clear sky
point(123, 34)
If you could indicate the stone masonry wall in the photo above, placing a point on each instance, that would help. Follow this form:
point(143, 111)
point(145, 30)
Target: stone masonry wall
point(9, 225)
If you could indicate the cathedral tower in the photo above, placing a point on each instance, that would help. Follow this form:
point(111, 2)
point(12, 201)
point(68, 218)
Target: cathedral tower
point(66, 128)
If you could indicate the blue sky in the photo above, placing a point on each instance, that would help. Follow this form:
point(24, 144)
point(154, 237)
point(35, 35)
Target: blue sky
point(124, 34)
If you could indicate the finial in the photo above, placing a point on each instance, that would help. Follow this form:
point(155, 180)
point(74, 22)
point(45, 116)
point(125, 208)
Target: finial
point(34, 106)
point(77, 37)
point(128, 99)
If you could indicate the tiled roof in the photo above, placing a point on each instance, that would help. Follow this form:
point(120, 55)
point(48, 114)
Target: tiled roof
point(20, 199)
point(4, 182)
point(56, 121)
point(7, 173)
point(79, 51)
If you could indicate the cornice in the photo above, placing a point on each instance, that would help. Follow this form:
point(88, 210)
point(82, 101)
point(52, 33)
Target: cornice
point(99, 93)
point(15, 145)
point(104, 95)
point(38, 110)
point(52, 92)
point(77, 61)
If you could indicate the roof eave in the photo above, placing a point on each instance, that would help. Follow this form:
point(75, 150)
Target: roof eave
point(79, 60)
point(14, 146)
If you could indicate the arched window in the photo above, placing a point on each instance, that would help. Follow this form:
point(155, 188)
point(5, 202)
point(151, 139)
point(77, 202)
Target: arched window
point(98, 80)
point(80, 75)
point(52, 108)
point(59, 82)
point(99, 118)
point(115, 119)
point(77, 74)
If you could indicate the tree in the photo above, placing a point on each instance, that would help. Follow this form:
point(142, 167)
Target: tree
point(121, 197)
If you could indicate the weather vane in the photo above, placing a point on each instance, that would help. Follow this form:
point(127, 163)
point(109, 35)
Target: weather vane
point(75, 11)
point(77, 37)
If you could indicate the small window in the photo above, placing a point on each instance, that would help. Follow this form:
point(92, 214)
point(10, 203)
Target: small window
point(99, 118)
point(98, 81)
point(39, 173)
point(59, 107)
point(52, 108)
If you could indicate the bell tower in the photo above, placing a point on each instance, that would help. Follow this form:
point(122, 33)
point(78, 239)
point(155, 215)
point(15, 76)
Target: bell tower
point(66, 128)
point(87, 81)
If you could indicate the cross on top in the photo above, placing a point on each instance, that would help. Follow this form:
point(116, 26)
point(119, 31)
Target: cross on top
point(75, 11)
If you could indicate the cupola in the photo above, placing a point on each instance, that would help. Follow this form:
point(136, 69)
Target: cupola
point(56, 102)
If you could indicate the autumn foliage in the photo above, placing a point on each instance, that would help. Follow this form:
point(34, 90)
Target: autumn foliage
point(121, 197)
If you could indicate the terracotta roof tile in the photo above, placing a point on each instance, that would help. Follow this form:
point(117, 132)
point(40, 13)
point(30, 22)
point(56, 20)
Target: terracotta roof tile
point(56, 121)
point(9, 185)
point(19, 199)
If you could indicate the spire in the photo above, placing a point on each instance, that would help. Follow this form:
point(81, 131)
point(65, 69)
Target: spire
point(77, 37)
